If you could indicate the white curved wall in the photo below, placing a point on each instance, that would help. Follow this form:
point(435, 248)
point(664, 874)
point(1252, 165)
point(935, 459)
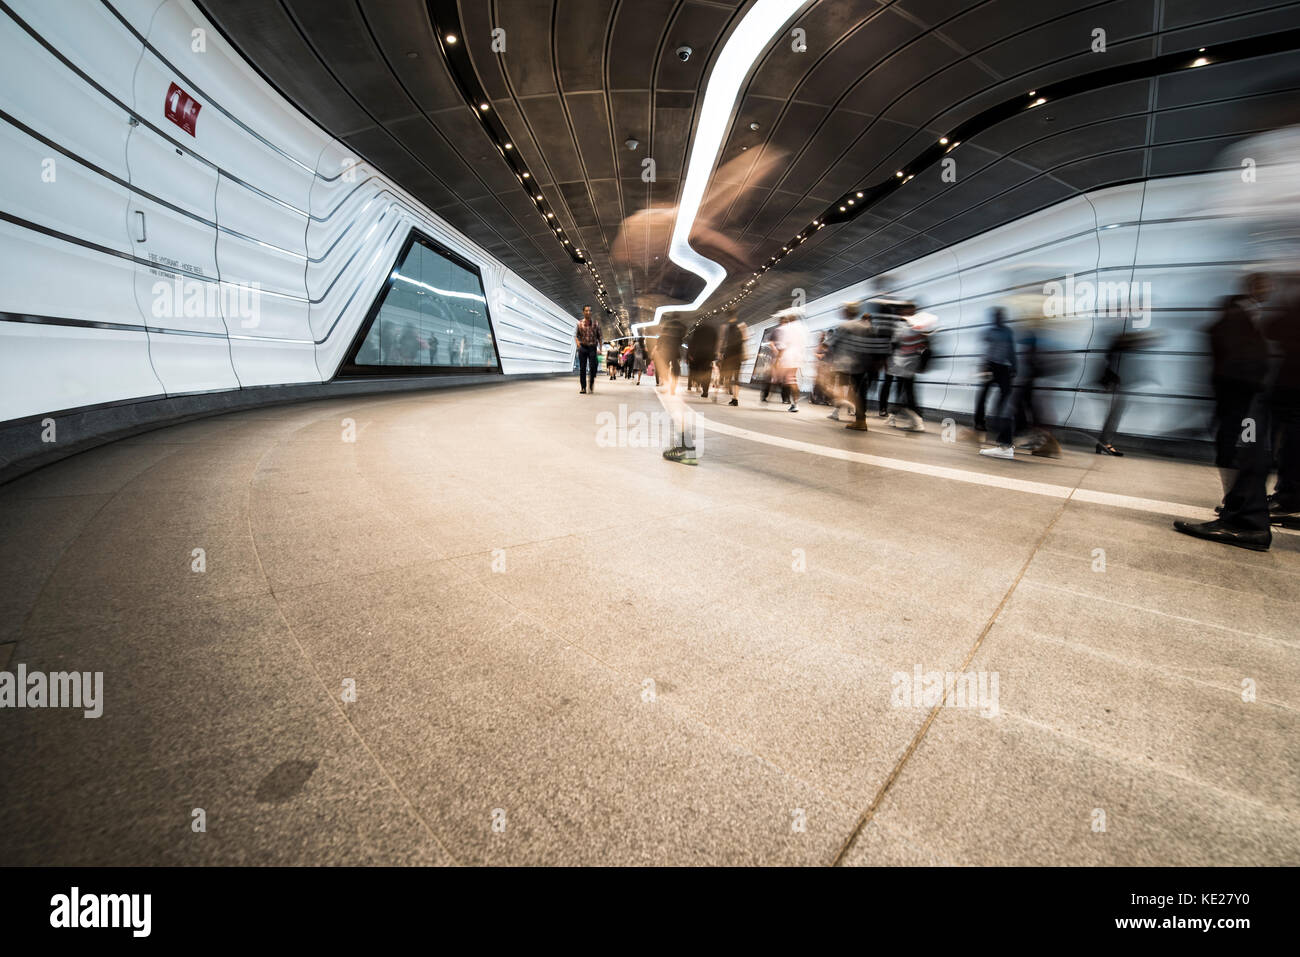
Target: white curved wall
point(106, 205)
point(1160, 231)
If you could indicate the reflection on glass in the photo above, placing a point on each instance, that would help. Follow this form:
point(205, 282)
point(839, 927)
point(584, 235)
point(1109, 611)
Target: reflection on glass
point(433, 313)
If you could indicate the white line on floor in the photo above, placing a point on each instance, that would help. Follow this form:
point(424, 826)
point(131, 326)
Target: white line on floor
point(963, 475)
point(676, 406)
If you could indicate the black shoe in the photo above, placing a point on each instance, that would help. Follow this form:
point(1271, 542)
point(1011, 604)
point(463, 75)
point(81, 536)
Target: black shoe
point(582, 392)
point(1216, 531)
point(1283, 513)
point(683, 455)
point(883, 413)
point(1104, 448)
point(734, 402)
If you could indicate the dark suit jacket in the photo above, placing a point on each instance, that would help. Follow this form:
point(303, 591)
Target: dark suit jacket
point(1238, 348)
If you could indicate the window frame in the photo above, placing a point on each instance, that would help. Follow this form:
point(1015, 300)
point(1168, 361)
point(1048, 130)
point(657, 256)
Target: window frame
point(349, 369)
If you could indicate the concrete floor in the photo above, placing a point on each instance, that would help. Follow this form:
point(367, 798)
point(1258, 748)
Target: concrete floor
point(565, 653)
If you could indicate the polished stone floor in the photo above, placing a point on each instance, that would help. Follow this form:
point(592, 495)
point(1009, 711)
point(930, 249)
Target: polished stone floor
point(469, 626)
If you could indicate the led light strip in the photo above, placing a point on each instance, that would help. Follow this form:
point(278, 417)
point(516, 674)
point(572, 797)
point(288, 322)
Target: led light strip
point(764, 20)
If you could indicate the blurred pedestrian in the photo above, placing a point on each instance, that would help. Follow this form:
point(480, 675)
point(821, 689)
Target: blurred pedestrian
point(668, 355)
point(999, 367)
point(732, 355)
point(701, 350)
point(789, 343)
point(911, 342)
point(1284, 330)
point(1240, 360)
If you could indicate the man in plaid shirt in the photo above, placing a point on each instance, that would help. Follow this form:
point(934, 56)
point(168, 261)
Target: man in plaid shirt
point(587, 339)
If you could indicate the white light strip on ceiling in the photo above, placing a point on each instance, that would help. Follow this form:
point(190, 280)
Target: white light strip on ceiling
point(742, 48)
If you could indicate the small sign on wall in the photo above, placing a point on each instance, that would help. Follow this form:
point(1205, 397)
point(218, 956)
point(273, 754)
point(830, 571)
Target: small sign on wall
point(182, 109)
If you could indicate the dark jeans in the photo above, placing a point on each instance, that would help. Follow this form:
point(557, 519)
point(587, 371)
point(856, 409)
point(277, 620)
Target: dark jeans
point(883, 398)
point(1286, 425)
point(767, 390)
point(587, 361)
point(905, 393)
point(1118, 403)
point(861, 384)
point(1018, 413)
point(702, 376)
point(1245, 506)
point(1232, 404)
point(1000, 376)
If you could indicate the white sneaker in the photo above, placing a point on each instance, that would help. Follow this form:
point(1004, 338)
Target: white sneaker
point(834, 416)
point(1000, 452)
point(793, 408)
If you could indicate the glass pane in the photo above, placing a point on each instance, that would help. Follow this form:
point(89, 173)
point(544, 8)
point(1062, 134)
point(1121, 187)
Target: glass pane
point(434, 313)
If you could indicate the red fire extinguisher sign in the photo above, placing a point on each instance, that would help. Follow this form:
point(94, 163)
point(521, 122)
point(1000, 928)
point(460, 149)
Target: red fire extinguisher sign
point(181, 108)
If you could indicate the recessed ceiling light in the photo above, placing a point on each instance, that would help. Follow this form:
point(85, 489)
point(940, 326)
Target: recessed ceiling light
point(451, 38)
point(483, 106)
point(538, 197)
point(1038, 102)
point(899, 174)
point(943, 141)
point(1200, 61)
point(526, 175)
point(550, 215)
point(859, 195)
point(850, 202)
point(843, 209)
point(510, 146)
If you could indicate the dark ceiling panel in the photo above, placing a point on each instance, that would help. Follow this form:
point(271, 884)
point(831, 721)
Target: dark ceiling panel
point(580, 30)
point(699, 26)
point(424, 75)
point(875, 41)
point(1221, 29)
point(1224, 81)
point(527, 60)
point(825, 25)
point(341, 38)
point(1239, 116)
point(591, 127)
point(549, 125)
point(638, 29)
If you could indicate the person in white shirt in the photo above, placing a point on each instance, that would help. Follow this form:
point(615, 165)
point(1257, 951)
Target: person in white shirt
point(790, 341)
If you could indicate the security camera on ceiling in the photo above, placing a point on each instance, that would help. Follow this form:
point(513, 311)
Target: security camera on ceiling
point(684, 53)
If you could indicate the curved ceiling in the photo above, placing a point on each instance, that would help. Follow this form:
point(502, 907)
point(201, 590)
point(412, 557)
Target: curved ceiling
point(878, 82)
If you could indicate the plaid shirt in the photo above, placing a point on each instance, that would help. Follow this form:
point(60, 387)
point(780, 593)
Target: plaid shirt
point(588, 333)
